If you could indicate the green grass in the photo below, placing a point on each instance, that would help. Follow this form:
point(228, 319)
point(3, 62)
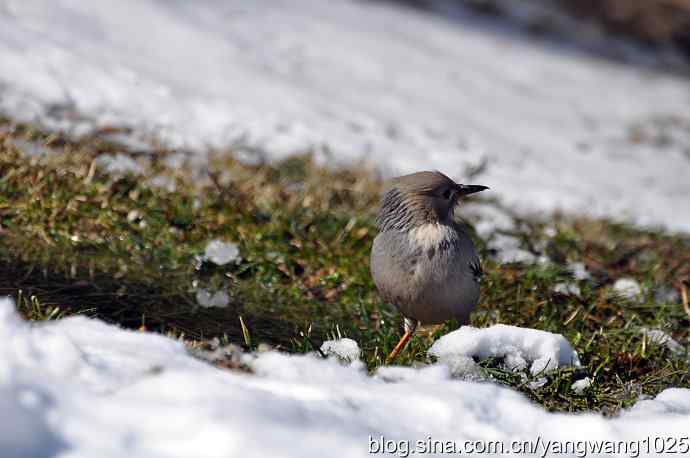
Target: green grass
point(78, 240)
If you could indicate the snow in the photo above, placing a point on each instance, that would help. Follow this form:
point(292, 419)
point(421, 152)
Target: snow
point(29, 148)
point(79, 388)
point(666, 295)
point(206, 298)
point(566, 288)
point(672, 400)
point(557, 126)
point(659, 337)
point(581, 385)
point(521, 348)
point(343, 348)
point(509, 250)
point(349, 80)
point(628, 288)
point(579, 271)
point(220, 252)
point(119, 164)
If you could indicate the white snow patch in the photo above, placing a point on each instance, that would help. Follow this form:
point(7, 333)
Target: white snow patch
point(509, 250)
point(581, 385)
point(351, 80)
point(220, 252)
point(424, 374)
point(463, 366)
point(119, 164)
point(674, 401)
point(579, 271)
point(206, 298)
point(537, 383)
point(343, 348)
point(659, 337)
point(567, 288)
point(162, 182)
point(667, 295)
point(628, 288)
point(521, 348)
point(30, 148)
point(80, 388)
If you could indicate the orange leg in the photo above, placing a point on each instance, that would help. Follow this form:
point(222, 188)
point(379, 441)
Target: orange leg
point(401, 344)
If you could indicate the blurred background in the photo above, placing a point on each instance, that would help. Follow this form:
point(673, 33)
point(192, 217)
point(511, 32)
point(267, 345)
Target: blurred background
point(653, 22)
point(557, 105)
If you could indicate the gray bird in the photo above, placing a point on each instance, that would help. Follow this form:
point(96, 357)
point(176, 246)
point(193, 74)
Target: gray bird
point(422, 261)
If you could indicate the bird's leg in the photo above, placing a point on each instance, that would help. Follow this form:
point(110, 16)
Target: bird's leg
point(410, 326)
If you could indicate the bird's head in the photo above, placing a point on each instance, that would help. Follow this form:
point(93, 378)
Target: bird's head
point(421, 198)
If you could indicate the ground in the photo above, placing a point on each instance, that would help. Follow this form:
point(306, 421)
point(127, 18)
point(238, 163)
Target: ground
point(120, 247)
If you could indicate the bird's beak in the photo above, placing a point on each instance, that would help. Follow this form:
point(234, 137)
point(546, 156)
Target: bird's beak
point(465, 189)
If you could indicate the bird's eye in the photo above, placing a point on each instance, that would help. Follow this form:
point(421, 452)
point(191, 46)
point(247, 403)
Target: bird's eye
point(446, 194)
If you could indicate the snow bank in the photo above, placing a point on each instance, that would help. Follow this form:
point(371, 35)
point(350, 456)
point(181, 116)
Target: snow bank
point(359, 80)
point(81, 388)
point(519, 347)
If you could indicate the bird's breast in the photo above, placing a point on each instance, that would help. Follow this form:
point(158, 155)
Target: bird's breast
point(425, 272)
point(431, 235)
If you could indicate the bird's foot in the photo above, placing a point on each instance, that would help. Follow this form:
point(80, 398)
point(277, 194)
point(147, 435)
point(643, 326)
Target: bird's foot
point(410, 326)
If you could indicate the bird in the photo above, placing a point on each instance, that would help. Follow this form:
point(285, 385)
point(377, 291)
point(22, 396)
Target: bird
point(422, 261)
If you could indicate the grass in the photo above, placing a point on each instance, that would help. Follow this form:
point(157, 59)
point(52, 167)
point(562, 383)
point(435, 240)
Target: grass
point(76, 239)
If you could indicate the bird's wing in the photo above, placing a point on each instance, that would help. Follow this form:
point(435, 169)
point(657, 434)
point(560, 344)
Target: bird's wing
point(476, 269)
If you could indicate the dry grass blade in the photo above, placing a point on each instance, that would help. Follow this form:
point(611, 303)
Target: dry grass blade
point(572, 316)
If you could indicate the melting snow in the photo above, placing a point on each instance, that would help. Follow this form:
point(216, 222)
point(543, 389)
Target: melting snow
point(628, 288)
point(581, 385)
point(579, 271)
point(568, 288)
point(221, 253)
point(659, 337)
point(206, 298)
point(81, 388)
point(344, 348)
point(119, 164)
point(521, 348)
point(359, 80)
